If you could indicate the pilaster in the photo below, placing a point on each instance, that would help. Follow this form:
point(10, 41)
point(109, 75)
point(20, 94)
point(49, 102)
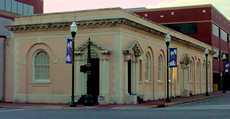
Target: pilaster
point(104, 81)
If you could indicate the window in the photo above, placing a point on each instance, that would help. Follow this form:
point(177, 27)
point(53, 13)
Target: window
point(30, 10)
point(215, 30)
point(14, 6)
point(186, 28)
point(41, 66)
point(20, 8)
point(27, 10)
point(2, 4)
point(8, 5)
point(148, 67)
point(223, 35)
point(160, 67)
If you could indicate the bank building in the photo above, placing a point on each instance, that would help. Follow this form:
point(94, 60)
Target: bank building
point(128, 55)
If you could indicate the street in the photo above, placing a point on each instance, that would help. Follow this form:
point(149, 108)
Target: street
point(213, 108)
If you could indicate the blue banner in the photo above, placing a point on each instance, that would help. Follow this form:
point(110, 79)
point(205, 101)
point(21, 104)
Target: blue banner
point(226, 67)
point(69, 51)
point(172, 57)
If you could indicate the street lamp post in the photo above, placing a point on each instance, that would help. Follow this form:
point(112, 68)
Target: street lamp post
point(73, 30)
point(223, 75)
point(167, 41)
point(206, 62)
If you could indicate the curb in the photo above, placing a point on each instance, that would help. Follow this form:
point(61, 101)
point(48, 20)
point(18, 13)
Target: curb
point(188, 101)
point(138, 106)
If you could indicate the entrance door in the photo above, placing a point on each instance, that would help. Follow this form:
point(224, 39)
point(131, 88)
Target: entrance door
point(129, 77)
point(94, 83)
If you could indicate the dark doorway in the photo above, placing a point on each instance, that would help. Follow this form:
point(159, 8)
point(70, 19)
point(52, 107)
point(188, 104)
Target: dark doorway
point(93, 86)
point(129, 76)
point(226, 82)
point(217, 80)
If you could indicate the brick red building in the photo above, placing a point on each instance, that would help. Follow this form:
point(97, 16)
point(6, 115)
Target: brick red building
point(37, 4)
point(203, 22)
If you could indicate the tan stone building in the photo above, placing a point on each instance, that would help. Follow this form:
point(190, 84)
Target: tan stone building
point(129, 53)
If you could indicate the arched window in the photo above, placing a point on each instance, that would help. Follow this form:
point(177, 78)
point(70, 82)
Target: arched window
point(160, 67)
point(41, 66)
point(148, 67)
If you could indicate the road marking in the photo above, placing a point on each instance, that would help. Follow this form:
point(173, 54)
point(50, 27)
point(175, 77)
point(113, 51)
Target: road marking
point(11, 110)
point(199, 107)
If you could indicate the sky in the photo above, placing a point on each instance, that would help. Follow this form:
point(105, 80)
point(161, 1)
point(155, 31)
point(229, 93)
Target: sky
point(73, 5)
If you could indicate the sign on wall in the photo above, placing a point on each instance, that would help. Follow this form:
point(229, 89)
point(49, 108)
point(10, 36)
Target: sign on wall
point(172, 57)
point(69, 51)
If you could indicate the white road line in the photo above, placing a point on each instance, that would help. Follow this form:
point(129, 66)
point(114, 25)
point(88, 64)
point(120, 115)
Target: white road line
point(199, 107)
point(11, 110)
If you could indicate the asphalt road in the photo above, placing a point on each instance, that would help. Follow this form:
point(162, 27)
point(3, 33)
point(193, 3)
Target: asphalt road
point(214, 108)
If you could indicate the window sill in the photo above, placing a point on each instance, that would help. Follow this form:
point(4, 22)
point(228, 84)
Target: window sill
point(140, 82)
point(159, 81)
point(147, 81)
point(40, 81)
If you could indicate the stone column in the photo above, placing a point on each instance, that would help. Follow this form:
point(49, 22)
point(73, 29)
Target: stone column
point(126, 78)
point(104, 81)
point(80, 79)
point(137, 77)
point(185, 81)
point(125, 85)
point(194, 78)
point(181, 80)
point(133, 77)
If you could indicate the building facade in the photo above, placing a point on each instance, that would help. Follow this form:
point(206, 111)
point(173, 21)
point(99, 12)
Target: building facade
point(128, 54)
point(13, 8)
point(9, 9)
point(203, 22)
point(36, 4)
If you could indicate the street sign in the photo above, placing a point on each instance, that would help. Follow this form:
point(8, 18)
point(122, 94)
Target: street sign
point(172, 57)
point(69, 51)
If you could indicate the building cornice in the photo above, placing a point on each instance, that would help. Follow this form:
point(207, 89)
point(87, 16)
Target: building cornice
point(64, 25)
point(96, 24)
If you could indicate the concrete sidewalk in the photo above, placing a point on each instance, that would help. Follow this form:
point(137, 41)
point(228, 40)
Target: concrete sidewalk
point(190, 99)
point(145, 105)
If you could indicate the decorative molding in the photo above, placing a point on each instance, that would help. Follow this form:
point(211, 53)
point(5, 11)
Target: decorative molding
point(134, 49)
point(185, 61)
point(83, 47)
point(96, 24)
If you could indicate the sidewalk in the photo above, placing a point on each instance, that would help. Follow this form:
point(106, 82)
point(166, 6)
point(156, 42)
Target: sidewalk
point(146, 105)
point(183, 100)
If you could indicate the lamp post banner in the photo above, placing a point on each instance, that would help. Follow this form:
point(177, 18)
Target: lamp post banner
point(172, 57)
point(69, 51)
point(226, 67)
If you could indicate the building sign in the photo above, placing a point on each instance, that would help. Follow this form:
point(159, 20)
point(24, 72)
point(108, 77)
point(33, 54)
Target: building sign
point(69, 51)
point(226, 67)
point(172, 57)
